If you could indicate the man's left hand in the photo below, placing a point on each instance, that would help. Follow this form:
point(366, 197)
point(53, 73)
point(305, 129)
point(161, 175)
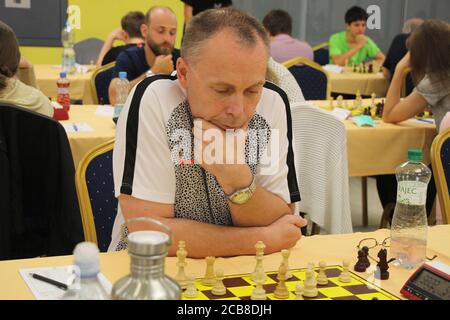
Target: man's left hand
point(222, 153)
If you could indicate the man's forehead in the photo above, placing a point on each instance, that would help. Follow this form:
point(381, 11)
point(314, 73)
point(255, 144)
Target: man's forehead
point(165, 18)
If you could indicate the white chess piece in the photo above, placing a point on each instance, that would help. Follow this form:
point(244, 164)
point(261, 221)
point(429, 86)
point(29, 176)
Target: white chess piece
point(310, 285)
point(259, 246)
point(209, 279)
point(191, 289)
point(322, 278)
point(219, 288)
point(298, 292)
point(181, 264)
point(345, 275)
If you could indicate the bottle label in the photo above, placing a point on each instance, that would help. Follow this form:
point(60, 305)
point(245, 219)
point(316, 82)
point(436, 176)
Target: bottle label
point(63, 90)
point(412, 192)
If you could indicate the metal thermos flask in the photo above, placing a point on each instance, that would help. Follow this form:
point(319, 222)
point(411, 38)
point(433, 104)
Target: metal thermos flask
point(147, 280)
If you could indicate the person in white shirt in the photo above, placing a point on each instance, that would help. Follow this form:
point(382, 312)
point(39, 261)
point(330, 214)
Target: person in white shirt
point(162, 154)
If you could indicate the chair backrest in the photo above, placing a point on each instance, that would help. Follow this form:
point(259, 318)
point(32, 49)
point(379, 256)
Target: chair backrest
point(39, 210)
point(320, 147)
point(407, 83)
point(440, 161)
point(87, 50)
point(311, 77)
point(321, 54)
point(101, 78)
point(95, 188)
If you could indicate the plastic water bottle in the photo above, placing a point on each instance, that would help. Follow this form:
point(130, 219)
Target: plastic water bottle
point(63, 96)
point(409, 224)
point(68, 56)
point(121, 93)
point(88, 286)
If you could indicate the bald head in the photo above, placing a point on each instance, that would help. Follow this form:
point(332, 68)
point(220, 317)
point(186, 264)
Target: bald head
point(158, 11)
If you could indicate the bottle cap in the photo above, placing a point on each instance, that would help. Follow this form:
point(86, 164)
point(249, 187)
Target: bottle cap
point(62, 74)
point(86, 256)
point(415, 154)
point(122, 75)
point(148, 243)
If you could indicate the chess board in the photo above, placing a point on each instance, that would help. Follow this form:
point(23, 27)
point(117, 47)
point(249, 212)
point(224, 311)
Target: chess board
point(240, 287)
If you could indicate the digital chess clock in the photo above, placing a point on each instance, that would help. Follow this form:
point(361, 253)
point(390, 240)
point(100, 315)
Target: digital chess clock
point(430, 282)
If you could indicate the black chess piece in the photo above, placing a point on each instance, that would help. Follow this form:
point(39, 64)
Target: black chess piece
point(360, 265)
point(366, 256)
point(370, 68)
point(383, 265)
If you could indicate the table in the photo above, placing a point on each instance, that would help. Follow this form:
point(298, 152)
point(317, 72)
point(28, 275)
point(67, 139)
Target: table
point(330, 248)
point(82, 142)
point(380, 149)
point(349, 82)
point(80, 87)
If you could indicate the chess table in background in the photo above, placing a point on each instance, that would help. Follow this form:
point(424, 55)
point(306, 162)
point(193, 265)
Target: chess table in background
point(350, 82)
point(240, 287)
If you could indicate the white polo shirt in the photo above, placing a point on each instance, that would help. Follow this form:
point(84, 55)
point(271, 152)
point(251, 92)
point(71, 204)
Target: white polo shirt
point(152, 158)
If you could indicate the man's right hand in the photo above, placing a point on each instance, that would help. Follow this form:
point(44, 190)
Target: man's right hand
point(361, 40)
point(163, 65)
point(284, 233)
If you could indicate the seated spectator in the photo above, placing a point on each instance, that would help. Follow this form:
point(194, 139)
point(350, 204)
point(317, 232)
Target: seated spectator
point(352, 45)
point(130, 33)
point(12, 90)
point(429, 60)
point(157, 56)
point(397, 49)
point(283, 46)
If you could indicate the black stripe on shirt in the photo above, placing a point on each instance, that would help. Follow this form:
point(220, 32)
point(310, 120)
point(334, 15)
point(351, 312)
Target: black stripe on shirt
point(132, 132)
point(292, 177)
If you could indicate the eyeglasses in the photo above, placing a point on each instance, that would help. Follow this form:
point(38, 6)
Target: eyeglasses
point(371, 243)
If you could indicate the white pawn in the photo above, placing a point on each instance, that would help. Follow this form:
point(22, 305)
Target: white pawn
point(219, 288)
point(322, 278)
point(191, 289)
point(299, 292)
point(259, 293)
point(345, 274)
point(310, 285)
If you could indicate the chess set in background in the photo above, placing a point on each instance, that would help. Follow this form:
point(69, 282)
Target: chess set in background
point(311, 283)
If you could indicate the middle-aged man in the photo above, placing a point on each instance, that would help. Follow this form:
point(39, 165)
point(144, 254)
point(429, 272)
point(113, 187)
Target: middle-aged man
point(173, 134)
point(157, 56)
point(353, 45)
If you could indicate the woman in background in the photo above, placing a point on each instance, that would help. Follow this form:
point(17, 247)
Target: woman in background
point(12, 90)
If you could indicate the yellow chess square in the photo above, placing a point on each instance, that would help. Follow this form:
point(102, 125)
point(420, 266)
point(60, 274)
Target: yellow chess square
point(242, 291)
point(334, 292)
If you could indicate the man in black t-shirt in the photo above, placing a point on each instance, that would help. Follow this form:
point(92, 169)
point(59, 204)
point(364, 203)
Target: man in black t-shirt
point(157, 56)
point(130, 33)
point(193, 7)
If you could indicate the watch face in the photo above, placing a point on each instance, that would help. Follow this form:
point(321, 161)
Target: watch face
point(241, 197)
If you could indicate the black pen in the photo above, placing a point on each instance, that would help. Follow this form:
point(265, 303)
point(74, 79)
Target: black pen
point(58, 284)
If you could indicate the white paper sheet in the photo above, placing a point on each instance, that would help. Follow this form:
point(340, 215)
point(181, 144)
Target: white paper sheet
point(77, 127)
point(105, 111)
point(45, 291)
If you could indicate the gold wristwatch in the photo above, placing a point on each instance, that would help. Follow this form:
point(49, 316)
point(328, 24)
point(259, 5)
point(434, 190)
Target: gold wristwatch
point(242, 196)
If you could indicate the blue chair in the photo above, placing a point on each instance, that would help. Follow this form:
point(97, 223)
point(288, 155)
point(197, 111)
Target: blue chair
point(101, 78)
point(87, 50)
point(311, 77)
point(321, 54)
point(95, 189)
point(440, 161)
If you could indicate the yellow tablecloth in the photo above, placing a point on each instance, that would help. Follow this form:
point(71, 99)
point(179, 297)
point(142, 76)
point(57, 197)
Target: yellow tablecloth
point(367, 83)
point(47, 75)
point(380, 149)
point(329, 248)
point(82, 142)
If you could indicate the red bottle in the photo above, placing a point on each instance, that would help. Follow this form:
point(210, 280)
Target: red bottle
point(63, 91)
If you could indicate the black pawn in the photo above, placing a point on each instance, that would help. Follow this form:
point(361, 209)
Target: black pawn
point(360, 266)
point(366, 256)
point(383, 265)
